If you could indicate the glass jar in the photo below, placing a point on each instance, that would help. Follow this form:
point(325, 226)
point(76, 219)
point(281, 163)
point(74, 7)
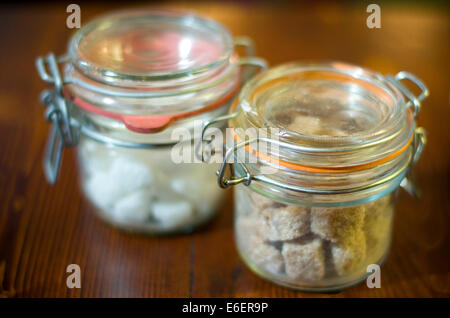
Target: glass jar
point(132, 86)
point(315, 183)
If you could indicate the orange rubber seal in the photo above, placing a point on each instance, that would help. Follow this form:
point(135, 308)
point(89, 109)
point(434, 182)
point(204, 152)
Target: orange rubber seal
point(151, 123)
point(294, 166)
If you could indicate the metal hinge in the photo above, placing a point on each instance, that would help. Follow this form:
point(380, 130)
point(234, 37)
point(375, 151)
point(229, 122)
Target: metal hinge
point(413, 100)
point(62, 133)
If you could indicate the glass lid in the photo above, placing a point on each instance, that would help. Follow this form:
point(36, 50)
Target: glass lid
point(149, 45)
point(330, 108)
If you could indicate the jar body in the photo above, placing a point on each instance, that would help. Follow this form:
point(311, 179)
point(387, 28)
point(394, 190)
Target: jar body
point(318, 203)
point(130, 90)
point(144, 190)
point(311, 248)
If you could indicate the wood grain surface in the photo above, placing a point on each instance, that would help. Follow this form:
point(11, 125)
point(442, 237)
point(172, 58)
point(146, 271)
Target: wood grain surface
point(45, 228)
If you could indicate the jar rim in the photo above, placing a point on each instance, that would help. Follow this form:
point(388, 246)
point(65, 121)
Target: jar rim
point(389, 135)
point(158, 88)
point(344, 169)
point(123, 47)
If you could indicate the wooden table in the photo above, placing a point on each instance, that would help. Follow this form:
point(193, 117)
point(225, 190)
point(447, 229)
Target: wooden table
point(44, 228)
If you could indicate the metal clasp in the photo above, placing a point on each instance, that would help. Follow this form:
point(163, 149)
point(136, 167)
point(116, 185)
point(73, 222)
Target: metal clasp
point(246, 178)
point(259, 63)
point(62, 134)
point(413, 99)
point(419, 142)
point(233, 180)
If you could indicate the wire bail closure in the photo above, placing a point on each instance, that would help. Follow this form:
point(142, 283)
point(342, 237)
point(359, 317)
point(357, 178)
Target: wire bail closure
point(413, 100)
point(249, 61)
point(419, 142)
point(62, 133)
point(65, 129)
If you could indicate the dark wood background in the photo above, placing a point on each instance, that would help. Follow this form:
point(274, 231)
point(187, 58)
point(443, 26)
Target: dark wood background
point(45, 228)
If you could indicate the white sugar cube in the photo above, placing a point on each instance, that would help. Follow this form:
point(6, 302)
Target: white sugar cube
point(102, 190)
point(130, 174)
point(134, 207)
point(173, 214)
point(201, 191)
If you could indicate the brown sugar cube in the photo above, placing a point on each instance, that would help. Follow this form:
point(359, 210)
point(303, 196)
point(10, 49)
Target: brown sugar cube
point(304, 261)
point(261, 202)
point(248, 226)
point(349, 256)
point(249, 235)
point(335, 133)
point(337, 224)
point(265, 255)
point(306, 125)
point(285, 223)
point(377, 227)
